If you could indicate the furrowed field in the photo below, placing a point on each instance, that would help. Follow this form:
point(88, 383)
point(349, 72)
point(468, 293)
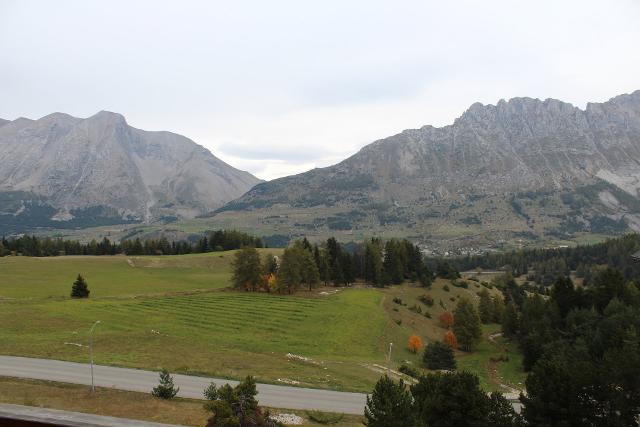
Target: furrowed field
point(175, 312)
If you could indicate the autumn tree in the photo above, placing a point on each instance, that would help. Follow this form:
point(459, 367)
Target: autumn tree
point(415, 343)
point(246, 269)
point(446, 320)
point(466, 325)
point(450, 339)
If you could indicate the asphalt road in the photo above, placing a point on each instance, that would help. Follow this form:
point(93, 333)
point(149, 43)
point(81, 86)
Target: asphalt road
point(190, 386)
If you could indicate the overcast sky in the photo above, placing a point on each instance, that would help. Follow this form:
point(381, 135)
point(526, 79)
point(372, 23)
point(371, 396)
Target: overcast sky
point(279, 87)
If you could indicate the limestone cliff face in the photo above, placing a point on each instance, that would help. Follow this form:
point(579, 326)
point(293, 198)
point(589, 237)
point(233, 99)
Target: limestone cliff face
point(72, 164)
point(516, 146)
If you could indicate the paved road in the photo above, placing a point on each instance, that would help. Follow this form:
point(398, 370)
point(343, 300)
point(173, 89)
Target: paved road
point(9, 414)
point(190, 386)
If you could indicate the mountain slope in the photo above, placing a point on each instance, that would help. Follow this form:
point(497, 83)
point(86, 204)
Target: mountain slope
point(62, 171)
point(488, 172)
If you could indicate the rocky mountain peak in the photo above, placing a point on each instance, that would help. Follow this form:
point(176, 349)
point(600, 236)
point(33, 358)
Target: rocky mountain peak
point(102, 167)
point(422, 178)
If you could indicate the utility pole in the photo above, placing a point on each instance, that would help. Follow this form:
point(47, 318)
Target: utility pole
point(389, 360)
point(93, 389)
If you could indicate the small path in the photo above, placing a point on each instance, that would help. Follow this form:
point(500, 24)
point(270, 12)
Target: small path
point(512, 393)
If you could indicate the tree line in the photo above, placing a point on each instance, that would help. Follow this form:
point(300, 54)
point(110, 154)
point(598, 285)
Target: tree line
point(306, 265)
point(549, 264)
point(220, 240)
point(581, 347)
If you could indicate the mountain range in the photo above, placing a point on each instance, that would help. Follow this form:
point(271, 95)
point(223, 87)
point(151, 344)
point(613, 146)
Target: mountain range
point(520, 169)
point(64, 172)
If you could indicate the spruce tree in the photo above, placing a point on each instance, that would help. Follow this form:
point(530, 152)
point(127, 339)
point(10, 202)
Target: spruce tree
point(80, 288)
point(165, 389)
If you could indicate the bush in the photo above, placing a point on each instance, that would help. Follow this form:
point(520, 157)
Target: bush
point(165, 389)
point(324, 417)
point(438, 355)
point(408, 370)
point(446, 288)
point(427, 315)
point(460, 284)
point(427, 300)
point(416, 309)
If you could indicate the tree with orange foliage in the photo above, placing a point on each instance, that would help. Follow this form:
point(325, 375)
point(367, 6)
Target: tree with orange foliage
point(415, 343)
point(446, 319)
point(451, 340)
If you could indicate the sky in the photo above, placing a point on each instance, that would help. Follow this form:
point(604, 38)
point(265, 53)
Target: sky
point(280, 87)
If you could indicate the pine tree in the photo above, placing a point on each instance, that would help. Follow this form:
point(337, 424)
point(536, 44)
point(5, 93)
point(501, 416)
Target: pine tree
point(466, 325)
point(450, 400)
point(510, 322)
point(80, 288)
point(438, 355)
point(389, 405)
point(165, 389)
point(373, 263)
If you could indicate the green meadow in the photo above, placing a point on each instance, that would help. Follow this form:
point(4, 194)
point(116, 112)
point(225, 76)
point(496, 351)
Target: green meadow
point(177, 312)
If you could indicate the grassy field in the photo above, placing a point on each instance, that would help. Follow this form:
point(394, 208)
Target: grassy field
point(117, 403)
point(51, 277)
point(174, 312)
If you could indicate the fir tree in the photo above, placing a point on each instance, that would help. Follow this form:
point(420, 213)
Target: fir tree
point(80, 288)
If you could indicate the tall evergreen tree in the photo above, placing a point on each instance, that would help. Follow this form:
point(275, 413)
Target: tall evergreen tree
point(485, 307)
point(450, 400)
point(373, 262)
point(466, 325)
point(389, 405)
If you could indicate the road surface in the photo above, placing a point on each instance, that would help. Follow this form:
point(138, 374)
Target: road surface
point(13, 414)
point(190, 386)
